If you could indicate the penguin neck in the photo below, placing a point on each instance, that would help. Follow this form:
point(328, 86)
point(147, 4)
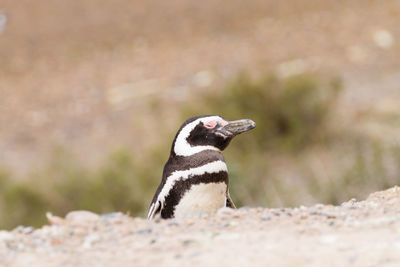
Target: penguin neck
point(181, 163)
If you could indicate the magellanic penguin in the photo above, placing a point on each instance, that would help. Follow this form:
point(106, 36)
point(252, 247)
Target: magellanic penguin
point(195, 177)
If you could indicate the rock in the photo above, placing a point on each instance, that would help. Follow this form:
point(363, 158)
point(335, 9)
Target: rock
point(276, 213)
point(328, 239)
point(144, 231)
point(82, 216)
point(114, 215)
point(222, 212)
point(6, 236)
point(90, 240)
point(265, 217)
point(54, 219)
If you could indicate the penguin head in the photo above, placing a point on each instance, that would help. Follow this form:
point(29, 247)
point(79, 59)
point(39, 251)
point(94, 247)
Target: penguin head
point(209, 132)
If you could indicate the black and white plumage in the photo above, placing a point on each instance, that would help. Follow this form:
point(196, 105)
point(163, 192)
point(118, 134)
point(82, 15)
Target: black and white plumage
point(195, 177)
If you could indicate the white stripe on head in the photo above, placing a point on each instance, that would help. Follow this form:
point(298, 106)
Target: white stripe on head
point(212, 167)
point(183, 148)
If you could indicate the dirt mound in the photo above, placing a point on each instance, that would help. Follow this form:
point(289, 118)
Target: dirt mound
point(365, 233)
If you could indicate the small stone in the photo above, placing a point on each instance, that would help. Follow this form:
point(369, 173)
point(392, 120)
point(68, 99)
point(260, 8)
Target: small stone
point(90, 240)
point(38, 241)
point(328, 239)
point(195, 254)
point(18, 229)
point(330, 216)
point(231, 223)
point(113, 216)
point(82, 216)
point(352, 259)
point(54, 219)
point(225, 211)
point(6, 236)
point(265, 217)
point(188, 242)
point(27, 230)
point(303, 216)
point(144, 231)
point(203, 214)
point(173, 224)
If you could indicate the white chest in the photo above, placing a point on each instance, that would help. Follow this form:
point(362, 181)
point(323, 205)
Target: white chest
point(202, 198)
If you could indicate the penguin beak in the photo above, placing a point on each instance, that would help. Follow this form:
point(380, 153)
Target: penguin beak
point(234, 128)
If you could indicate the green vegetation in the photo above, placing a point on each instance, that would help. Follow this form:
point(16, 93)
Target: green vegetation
point(290, 114)
point(64, 185)
point(295, 156)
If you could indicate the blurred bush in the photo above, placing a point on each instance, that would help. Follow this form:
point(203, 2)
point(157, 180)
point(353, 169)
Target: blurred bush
point(295, 156)
point(290, 113)
point(64, 184)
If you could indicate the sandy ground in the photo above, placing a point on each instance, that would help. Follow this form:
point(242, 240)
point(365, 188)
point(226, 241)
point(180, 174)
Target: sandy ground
point(364, 233)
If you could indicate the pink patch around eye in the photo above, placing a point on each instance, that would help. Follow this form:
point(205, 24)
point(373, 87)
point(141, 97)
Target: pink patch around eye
point(211, 124)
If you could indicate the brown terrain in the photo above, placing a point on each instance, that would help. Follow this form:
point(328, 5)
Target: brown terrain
point(364, 233)
point(82, 75)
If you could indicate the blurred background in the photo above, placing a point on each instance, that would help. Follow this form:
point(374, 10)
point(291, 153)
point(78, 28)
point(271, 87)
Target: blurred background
point(93, 92)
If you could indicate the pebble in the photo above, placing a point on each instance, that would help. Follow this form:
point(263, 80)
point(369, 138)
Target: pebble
point(225, 211)
point(6, 236)
point(231, 223)
point(90, 240)
point(82, 216)
point(27, 230)
point(54, 219)
point(303, 216)
point(265, 217)
point(113, 216)
point(144, 231)
point(328, 239)
point(173, 224)
point(188, 242)
point(23, 230)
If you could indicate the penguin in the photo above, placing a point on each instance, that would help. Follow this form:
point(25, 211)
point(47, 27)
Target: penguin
point(195, 177)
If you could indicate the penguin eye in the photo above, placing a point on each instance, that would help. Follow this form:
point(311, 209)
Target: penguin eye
point(211, 124)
